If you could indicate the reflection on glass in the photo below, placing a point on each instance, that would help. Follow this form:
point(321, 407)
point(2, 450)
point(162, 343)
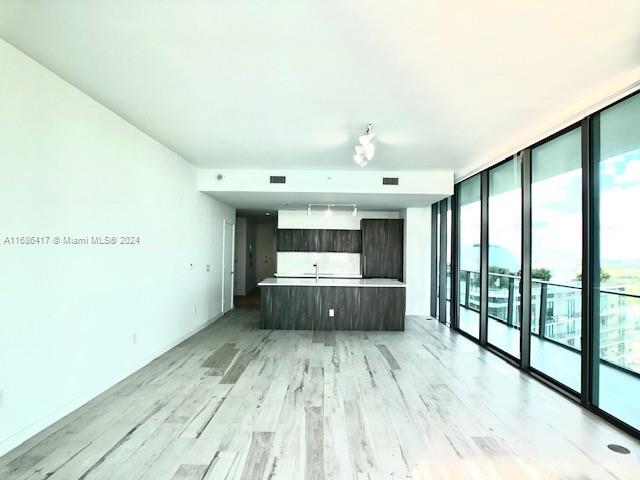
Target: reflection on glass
point(556, 258)
point(469, 275)
point(503, 325)
point(618, 153)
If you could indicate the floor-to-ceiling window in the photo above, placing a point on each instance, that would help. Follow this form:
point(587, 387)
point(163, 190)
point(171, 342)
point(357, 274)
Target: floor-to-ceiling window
point(449, 253)
point(580, 247)
point(505, 212)
point(617, 153)
point(469, 256)
point(441, 261)
point(437, 286)
point(556, 258)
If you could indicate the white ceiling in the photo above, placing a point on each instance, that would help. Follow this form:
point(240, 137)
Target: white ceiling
point(291, 83)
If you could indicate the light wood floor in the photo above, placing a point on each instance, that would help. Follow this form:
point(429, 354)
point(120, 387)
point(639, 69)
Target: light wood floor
point(235, 402)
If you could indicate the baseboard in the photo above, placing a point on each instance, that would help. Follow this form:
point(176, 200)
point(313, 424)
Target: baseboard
point(17, 439)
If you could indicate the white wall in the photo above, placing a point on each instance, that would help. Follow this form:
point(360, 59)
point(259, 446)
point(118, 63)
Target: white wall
point(417, 263)
point(240, 267)
point(338, 220)
point(69, 314)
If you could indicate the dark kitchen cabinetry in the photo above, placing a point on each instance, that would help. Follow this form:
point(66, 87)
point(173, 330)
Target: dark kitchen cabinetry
point(315, 240)
point(342, 241)
point(382, 248)
point(298, 240)
point(309, 240)
point(355, 308)
point(284, 240)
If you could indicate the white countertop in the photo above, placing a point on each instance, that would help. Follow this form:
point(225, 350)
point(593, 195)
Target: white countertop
point(313, 275)
point(330, 282)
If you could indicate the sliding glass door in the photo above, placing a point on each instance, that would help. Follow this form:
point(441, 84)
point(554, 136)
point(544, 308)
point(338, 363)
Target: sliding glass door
point(617, 156)
point(469, 257)
point(556, 258)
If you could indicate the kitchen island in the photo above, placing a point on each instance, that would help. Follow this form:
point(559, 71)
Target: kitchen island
point(332, 304)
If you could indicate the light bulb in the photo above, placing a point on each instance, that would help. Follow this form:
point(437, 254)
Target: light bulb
point(369, 150)
point(366, 139)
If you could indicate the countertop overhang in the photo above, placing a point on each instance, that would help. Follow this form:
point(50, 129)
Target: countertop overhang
point(331, 282)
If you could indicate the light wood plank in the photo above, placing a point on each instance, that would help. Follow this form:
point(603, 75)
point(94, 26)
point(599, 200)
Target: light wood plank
point(237, 402)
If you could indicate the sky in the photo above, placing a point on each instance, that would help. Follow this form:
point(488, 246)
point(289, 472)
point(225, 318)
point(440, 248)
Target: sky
point(557, 221)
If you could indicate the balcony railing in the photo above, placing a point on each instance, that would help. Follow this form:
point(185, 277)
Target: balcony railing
point(556, 314)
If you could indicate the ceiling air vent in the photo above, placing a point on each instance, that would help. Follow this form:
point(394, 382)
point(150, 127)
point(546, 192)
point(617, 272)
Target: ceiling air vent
point(390, 181)
point(275, 179)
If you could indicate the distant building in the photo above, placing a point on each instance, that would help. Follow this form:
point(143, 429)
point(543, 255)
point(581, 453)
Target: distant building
point(561, 315)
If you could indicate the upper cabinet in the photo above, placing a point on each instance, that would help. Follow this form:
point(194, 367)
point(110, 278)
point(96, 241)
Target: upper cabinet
point(382, 248)
point(341, 241)
point(308, 240)
point(284, 240)
point(314, 240)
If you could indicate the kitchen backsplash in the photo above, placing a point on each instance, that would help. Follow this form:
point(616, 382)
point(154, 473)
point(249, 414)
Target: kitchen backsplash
point(300, 263)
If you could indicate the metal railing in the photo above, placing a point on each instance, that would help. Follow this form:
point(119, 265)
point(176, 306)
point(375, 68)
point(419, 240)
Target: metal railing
point(556, 314)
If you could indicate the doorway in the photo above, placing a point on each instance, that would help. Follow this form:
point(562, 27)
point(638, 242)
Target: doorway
point(255, 253)
point(228, 247)
point(266, 254)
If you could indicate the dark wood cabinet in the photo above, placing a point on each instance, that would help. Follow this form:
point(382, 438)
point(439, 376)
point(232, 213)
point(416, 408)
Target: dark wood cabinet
point(314, 240)
point(344, 241)
point(284, 240)
point(298, 240)
point(309, 240)
point(382, 248)
point(355, 308)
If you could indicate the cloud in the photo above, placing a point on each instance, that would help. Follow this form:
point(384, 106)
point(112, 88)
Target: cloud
point(631, 173)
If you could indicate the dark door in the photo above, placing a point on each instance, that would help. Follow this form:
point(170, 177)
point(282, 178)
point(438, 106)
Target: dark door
point(382, 248)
